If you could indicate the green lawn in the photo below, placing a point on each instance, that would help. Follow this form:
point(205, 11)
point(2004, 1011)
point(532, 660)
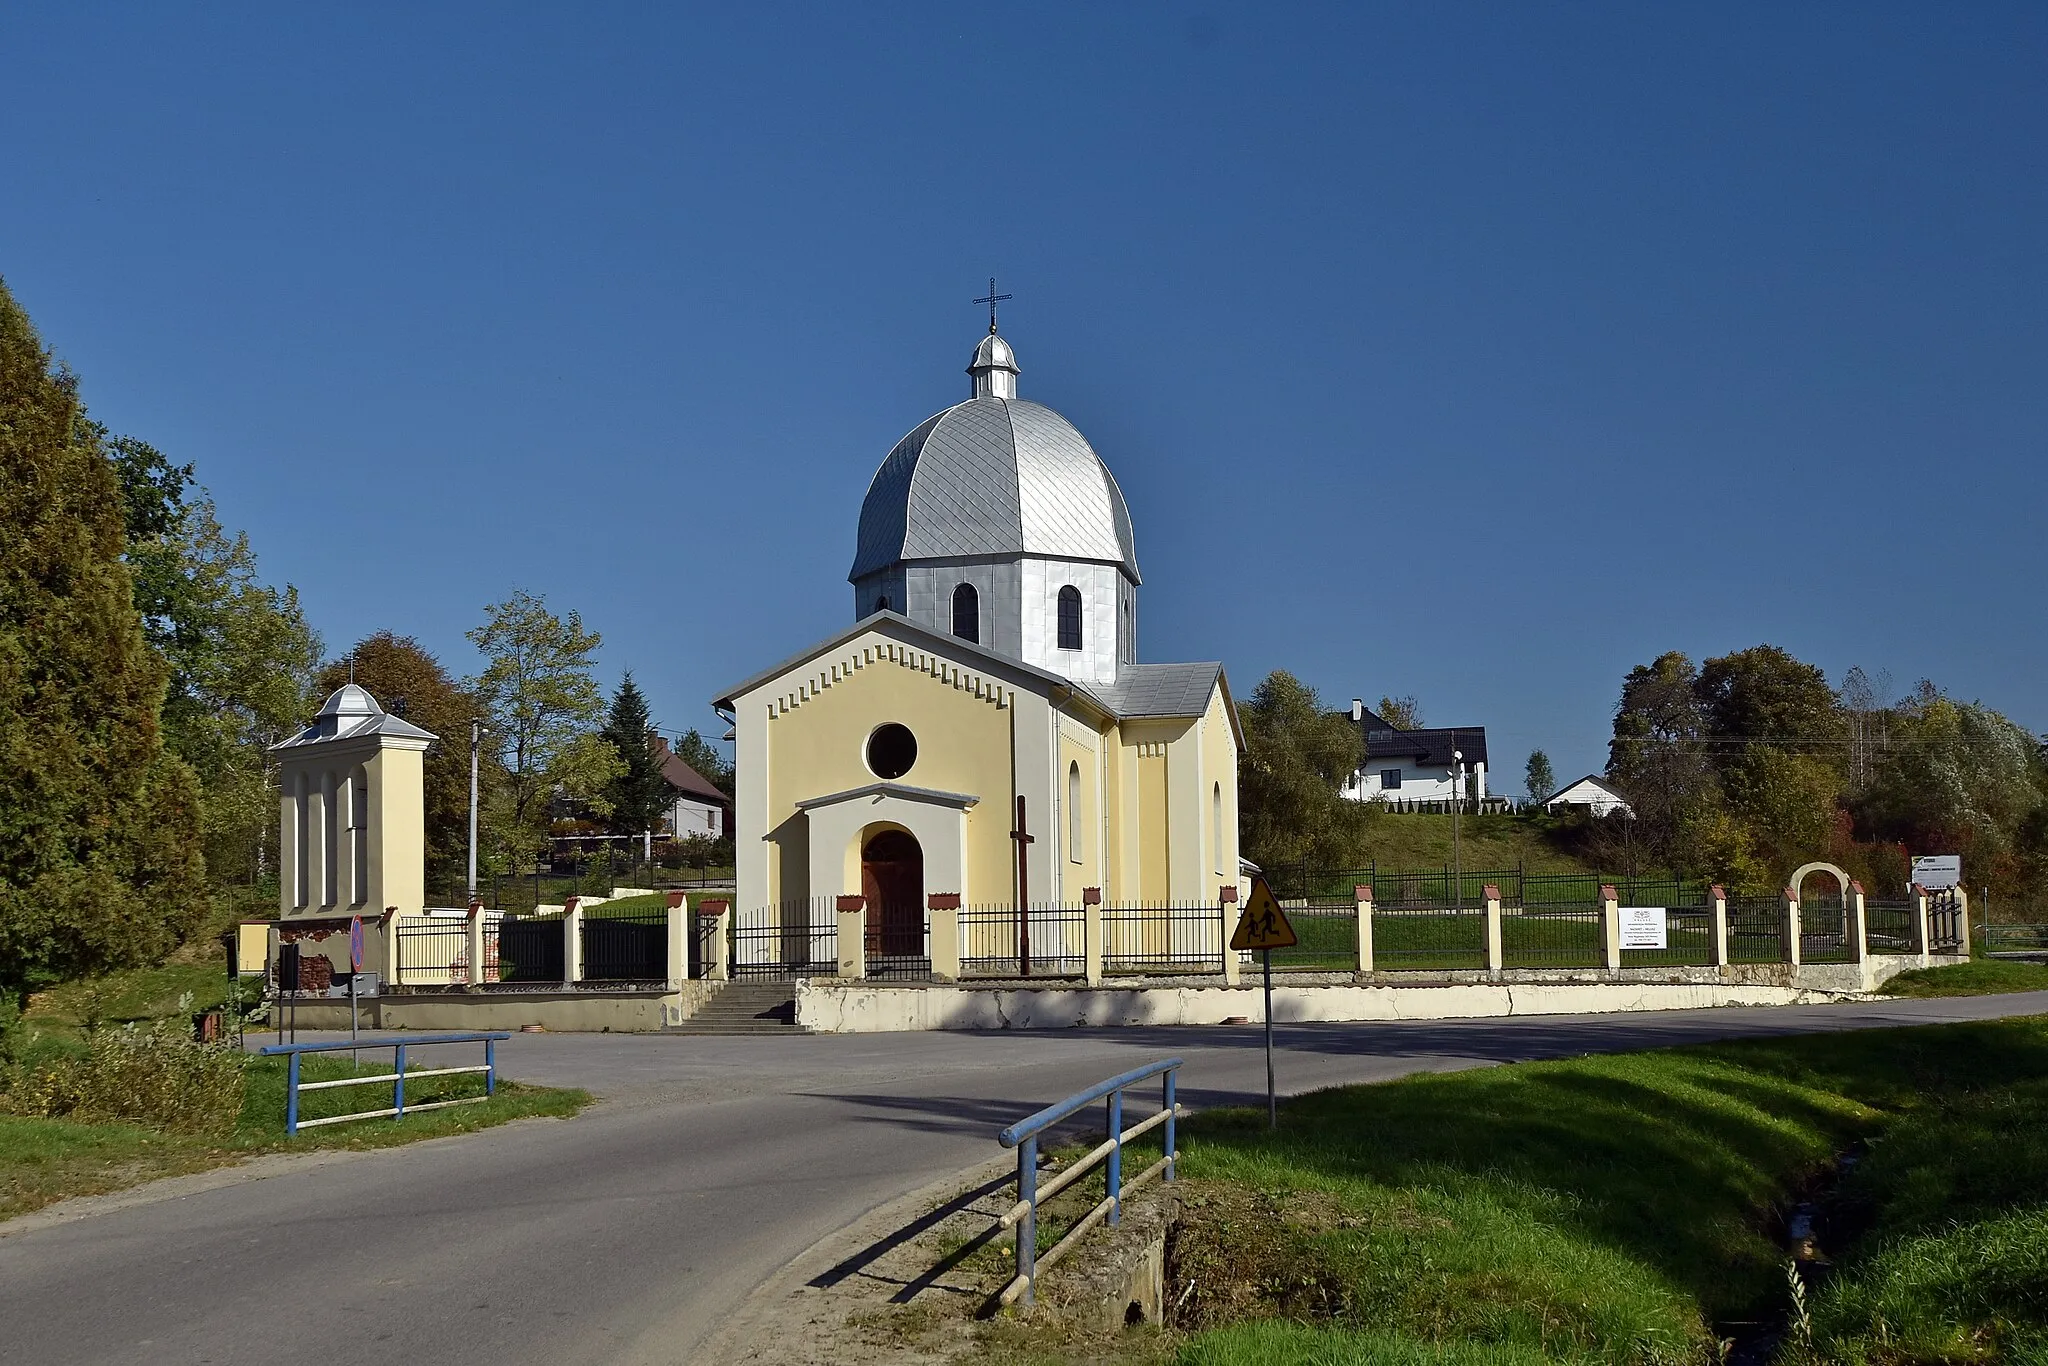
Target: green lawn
point(42, 1160)
point(125, 997)
point(1984, 977)
point(1620, 1209)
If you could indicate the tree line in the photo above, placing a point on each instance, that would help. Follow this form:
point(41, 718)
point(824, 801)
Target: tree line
point(1737, 769)
point(146, 669)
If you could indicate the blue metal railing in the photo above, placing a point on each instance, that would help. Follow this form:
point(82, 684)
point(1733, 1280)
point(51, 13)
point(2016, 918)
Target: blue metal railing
point(396, 1077)
point(1023, 1136)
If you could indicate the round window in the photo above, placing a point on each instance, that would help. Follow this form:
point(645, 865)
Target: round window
point(892, 749)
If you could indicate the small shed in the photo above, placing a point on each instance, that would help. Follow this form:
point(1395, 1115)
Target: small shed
point(1593, 793)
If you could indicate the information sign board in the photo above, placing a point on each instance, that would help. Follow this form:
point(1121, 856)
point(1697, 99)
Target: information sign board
point(1938, 872)
point(1644, 927)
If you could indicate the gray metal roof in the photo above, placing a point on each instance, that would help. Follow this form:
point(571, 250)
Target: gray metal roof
point(1144, 690)
point(994, 476)
point(350, 713)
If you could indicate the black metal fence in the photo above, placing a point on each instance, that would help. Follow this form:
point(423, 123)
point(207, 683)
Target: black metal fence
point(1326, 938)
point(791, 939)
point(628, 947)
point(1688, 939)
point(1048, 941)
point(1162, 938)
point(432, 951)
point(1888, 927)
point(1945, 922)
point(1824, 930)
point(530, 949)
point(1756, 929)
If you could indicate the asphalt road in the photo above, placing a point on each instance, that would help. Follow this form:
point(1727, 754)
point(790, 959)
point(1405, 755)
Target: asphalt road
point(622, 1235)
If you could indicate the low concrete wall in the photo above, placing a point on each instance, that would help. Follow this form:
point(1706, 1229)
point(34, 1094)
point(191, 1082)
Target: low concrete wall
point(825, 1005)
point(620, 1012)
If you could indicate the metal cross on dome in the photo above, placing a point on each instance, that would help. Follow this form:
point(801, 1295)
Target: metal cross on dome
point(992, 300)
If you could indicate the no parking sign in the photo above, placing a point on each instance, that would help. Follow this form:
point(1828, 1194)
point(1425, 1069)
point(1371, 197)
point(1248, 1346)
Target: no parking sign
point(355, 943)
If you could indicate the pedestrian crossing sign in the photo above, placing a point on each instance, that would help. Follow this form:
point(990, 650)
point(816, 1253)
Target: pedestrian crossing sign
point(1263, 925)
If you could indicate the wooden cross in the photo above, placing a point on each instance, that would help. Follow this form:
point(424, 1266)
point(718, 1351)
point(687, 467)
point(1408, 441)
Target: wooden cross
point(1023, 837)
point(992, 300)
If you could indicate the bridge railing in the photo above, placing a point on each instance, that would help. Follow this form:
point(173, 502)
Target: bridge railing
point(396, 1078)
point(1024, 1136)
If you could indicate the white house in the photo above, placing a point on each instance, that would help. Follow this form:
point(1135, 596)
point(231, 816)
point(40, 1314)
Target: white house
point(1592, 792)
point(697, 808)
point(1438, 764)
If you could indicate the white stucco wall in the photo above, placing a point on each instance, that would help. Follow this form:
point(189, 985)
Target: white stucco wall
point(1417, 784)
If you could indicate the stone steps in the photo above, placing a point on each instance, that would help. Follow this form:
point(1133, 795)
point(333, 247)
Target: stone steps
point(744, 1008)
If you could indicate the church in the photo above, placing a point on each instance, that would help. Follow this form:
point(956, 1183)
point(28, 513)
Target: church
point(983, 734)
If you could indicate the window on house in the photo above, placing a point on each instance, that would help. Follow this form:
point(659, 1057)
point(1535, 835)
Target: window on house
point(1070, 618)
point(1390, 779)
point(967, 613)
point(1073, 811)
point(882, 603)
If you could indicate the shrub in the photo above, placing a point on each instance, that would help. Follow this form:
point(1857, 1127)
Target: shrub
point(154, 1075)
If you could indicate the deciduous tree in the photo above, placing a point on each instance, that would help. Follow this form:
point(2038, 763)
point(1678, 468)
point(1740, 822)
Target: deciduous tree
point(1298, 757)
point(1402, 713)
point(1541, 782)
point(544, 707)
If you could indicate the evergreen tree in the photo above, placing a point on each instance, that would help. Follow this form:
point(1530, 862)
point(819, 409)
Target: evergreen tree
point(1541, 780)
point(639, 794)
point(99, 827)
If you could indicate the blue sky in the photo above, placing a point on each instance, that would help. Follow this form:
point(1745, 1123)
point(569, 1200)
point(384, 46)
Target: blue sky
point(1475, 352)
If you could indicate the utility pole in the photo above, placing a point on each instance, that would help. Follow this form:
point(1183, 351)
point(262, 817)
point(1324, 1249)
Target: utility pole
point(476, 735)
point(1457, 806)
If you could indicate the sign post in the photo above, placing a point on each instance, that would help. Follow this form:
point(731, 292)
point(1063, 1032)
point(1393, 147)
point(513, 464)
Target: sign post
point(1265, 927)
point(1938, 872)
point(355, 966)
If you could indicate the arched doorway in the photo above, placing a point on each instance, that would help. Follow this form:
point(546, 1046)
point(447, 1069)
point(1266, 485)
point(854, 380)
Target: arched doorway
point(892, 880)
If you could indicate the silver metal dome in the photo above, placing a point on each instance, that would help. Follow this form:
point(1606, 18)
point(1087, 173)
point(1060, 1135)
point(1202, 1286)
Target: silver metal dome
point(994, 476)
point(350, 700)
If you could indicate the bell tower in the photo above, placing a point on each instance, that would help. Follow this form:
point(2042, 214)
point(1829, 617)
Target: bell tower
point(352, 810)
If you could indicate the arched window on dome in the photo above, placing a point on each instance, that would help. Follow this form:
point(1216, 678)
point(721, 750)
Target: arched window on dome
point(882, 603)
point(967, 613)
point(1070, 618)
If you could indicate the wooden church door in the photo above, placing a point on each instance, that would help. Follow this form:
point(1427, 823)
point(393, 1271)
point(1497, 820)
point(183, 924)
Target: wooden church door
point(892, 879)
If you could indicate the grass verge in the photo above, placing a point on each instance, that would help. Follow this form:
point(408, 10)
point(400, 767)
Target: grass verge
point(1627, 1208)
point(1980, 977)
point(44, 1160)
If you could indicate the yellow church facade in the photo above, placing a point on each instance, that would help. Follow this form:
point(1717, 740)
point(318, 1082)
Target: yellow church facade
point(983, 735)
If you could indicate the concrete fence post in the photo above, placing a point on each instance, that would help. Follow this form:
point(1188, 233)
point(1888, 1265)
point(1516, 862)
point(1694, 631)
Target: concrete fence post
point(1717, 904)
point(853, 935)
point(572, 942)
point(944, 929)
point(680, 923)
point(1091, 935)
point(1494, 955)
point(1363, 891)
point(1610, 927)
point(1233, 965)
point(473, 946)
point(1964, 944)
point(718, 911)
point(1923, 943)
point(1790, 929)
point(1855, 924)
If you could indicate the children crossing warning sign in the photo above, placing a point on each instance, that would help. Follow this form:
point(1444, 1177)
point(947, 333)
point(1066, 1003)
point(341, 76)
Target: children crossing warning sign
point(1263, 925)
